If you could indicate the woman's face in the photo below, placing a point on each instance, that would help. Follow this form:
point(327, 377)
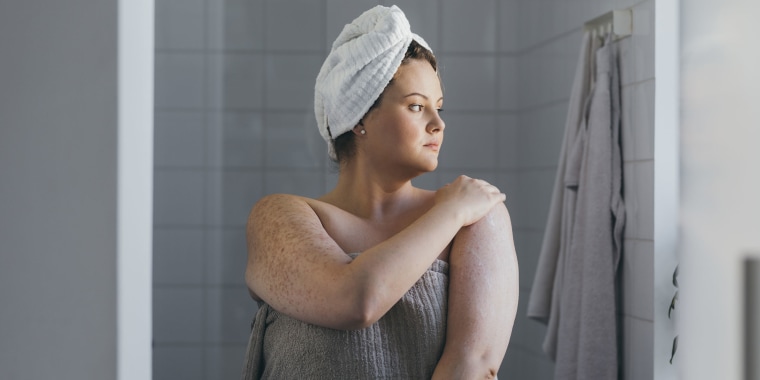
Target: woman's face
point(405, 131)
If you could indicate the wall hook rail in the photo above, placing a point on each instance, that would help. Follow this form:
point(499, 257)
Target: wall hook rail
point(617, 22)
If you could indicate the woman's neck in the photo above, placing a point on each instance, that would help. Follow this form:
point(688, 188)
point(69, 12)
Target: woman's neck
point(372, 194)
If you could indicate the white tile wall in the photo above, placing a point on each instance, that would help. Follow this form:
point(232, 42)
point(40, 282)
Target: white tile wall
point(480, 33)
point(179, 80)
point(306, 182)
point(180, 24)
point(178, 315)
point(428, 181)
point(224, 361)
point(178, 197)
point(540, 134)
point(637, 51)
point(638, 188)
point(469, 141)
point(293, 141)
point(230, 196)
point(506, 136)
point(178, 362)
point(229, 313)
point(179, 139)
point(528, 69)
point(235, 25)
point(331, 177)
point(533, 195)
point(290, 80)
point(637, 272)
point(234, 121)
point(469, 82)
point(295, 25)
point(528, 244)
point(235, 139)
point(506, 23)
point(520, 364)
point(638, 340)
point(546, 71)
point(526, 330)
point(638, 123)
point(586, 10)
point(180, 245)
point(507, 75)
point(225, 256)
point(236, 81)
point(528, 26)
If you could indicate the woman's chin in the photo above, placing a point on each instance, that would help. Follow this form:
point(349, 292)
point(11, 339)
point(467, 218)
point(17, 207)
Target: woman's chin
point(430, 166)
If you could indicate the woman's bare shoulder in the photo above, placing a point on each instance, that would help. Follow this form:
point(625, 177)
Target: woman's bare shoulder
point(283, 208)
point(286, 213)
point(274, 207)
point(286, 226)
point(279, 202)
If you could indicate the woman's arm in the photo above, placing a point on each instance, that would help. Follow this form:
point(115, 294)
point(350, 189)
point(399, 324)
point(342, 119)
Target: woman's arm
point(483, 293)
point(297, 268)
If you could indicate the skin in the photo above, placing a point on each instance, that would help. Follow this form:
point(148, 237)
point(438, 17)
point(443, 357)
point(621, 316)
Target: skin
point(297, 246)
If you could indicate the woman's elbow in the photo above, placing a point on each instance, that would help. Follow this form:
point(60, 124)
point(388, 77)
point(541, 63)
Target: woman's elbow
point(357, 321)
point(364, 312)
point(353, 319)
point(363, 304)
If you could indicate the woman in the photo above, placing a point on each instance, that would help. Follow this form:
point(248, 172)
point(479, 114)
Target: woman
point(377, 278)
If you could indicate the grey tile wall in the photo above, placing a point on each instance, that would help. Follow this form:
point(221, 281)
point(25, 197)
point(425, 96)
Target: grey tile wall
point(468, 27)
point(234, 25)
point(234, 121)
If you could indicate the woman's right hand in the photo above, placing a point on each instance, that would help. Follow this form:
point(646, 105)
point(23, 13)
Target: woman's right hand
point(470, 199)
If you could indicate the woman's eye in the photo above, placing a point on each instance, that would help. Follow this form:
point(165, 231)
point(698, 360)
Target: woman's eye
point(416, 107)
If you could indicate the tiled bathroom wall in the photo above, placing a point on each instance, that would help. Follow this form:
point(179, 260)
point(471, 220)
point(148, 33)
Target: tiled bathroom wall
point(234, 121)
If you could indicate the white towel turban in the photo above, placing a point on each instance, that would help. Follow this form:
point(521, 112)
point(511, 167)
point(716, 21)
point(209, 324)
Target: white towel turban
point(361, 63)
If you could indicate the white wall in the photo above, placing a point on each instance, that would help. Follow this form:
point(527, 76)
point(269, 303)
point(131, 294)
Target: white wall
point(720, 180)
point(59, 221)
point(666, 185)
point(135, 189)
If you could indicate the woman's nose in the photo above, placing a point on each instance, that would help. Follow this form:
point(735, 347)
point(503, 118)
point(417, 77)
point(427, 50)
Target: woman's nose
point(436, 124)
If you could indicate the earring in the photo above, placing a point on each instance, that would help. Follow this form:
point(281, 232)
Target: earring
point(363, 132)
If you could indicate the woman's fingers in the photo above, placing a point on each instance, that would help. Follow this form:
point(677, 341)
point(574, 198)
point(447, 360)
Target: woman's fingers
point(474, 198)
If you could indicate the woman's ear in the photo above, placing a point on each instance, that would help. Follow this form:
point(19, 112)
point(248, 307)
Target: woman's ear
point(359, 129)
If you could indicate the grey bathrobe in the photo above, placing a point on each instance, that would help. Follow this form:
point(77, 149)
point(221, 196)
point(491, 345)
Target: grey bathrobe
point(574, 286)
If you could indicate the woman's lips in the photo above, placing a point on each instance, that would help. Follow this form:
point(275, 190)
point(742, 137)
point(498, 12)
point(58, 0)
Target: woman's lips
point(434, 146)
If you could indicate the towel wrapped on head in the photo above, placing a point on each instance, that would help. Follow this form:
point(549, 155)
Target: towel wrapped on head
point(361, 63)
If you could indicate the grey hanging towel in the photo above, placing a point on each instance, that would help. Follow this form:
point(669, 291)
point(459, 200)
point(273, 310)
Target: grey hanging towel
point(574, 286)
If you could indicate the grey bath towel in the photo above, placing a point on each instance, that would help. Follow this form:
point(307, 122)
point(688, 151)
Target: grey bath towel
point(574, 288)
point(405, 343)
